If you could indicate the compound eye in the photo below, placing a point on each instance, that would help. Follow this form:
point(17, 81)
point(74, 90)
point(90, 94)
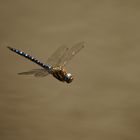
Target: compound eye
point(68, 78)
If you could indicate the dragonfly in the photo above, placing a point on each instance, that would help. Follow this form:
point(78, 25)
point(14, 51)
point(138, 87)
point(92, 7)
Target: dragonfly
point(55, 64)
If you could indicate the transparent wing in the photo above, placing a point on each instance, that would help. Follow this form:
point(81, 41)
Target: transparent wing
point(35, 72)
point(56, 57)
point(70, 53)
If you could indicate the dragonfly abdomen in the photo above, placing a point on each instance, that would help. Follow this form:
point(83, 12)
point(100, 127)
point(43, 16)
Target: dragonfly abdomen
point(33, 59)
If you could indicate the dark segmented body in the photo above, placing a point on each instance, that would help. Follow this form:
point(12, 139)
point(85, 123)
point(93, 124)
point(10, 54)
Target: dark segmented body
point(33, 59)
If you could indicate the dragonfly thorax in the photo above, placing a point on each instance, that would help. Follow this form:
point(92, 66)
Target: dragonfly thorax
point(61, 74)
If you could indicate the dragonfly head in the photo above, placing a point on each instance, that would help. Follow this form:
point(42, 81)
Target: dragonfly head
point(68, 78)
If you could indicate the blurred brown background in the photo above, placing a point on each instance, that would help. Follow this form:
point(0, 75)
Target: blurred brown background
point(103, 103)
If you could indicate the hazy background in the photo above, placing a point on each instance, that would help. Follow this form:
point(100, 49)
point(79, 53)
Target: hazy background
point(103, 102)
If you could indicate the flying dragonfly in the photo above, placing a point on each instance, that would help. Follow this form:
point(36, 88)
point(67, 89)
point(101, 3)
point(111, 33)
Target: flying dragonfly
point(55, 64)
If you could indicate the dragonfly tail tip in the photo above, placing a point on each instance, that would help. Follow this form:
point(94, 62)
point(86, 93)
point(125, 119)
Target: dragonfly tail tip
point(9, 47)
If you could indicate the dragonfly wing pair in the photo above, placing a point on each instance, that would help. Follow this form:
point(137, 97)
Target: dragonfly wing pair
point(60, 57)
point(35, 72)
